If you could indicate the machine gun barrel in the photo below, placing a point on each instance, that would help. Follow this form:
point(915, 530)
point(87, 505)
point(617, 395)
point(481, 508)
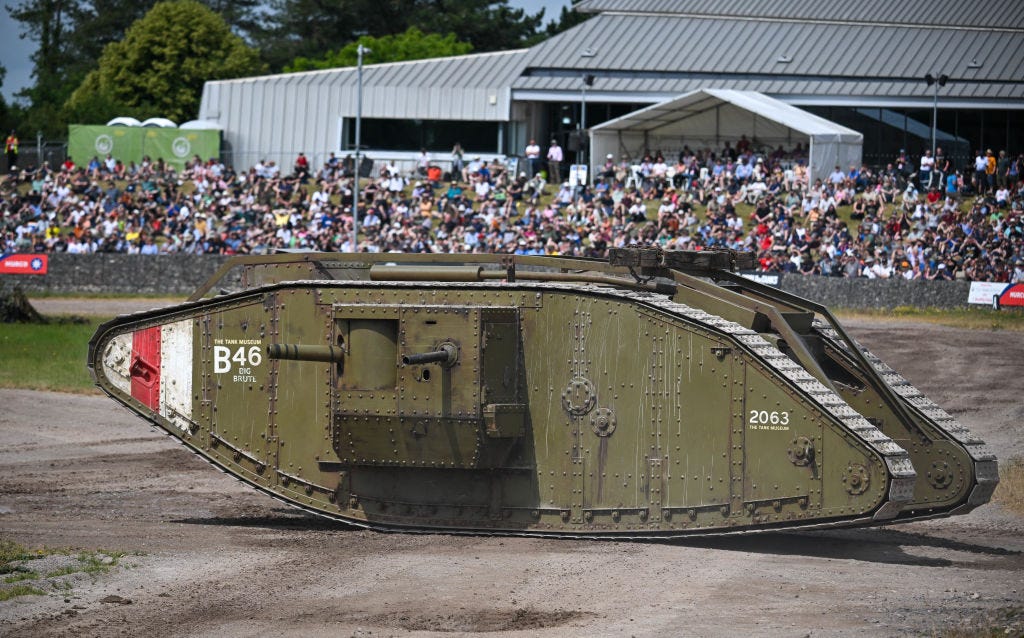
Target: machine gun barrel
point(446, 354)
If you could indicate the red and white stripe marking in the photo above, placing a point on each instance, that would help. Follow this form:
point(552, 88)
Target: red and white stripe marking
point(154, 367)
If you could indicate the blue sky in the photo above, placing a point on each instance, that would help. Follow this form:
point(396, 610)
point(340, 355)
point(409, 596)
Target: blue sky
point(14, 55)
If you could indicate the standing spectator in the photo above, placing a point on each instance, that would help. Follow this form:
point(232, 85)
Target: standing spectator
point(1002, 169)
point(532, 153)
point(943, 165)
point(422, 162)
point(980, 164)
point(554, 162)
point(924, 171)
point(11, 149)
point(990, 171)
point(456, 161)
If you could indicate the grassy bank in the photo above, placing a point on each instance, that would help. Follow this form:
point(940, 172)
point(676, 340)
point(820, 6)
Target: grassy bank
point(46, 357)
point(966, 318)
point(53, 356)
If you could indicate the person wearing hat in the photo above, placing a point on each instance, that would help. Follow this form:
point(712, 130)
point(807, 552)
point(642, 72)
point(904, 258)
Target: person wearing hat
point(554, 162)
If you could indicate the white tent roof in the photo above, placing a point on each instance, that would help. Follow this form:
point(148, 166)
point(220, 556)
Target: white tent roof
point(712, 116)
point(124, 121)
point(202, 125)
point(675, 112)
point(161, 122)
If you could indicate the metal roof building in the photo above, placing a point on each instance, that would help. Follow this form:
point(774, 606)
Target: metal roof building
point(834, 57)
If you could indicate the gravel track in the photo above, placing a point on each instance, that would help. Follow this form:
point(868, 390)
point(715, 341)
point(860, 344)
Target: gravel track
point(210, 557)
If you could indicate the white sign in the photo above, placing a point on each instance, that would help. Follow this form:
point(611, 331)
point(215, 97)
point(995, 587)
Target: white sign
point(983, 291)
point(578, 175)
point(762, 278)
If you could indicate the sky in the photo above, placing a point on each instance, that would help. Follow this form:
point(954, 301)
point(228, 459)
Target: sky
point(14, 55)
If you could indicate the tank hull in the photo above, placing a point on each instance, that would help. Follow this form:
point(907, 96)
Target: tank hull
point(558, 406)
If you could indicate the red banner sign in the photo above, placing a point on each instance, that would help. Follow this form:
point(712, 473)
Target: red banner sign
point(23, 264)
point(1013, 295)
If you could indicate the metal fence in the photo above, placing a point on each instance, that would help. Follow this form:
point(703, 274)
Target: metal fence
point(32, 155)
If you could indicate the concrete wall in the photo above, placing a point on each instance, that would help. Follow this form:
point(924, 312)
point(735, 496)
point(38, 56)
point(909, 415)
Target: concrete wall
point(175, 275)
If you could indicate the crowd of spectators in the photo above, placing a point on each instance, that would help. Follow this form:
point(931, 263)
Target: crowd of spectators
point(912, 219)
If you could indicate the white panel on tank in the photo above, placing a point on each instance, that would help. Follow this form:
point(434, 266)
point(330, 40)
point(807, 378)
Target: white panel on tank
point(116, 360)
point(176, 374)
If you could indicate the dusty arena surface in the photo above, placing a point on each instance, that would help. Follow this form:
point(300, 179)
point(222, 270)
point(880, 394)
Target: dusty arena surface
point(206, 556)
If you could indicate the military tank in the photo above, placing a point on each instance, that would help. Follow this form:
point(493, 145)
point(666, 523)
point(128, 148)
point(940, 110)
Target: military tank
point(652, 394)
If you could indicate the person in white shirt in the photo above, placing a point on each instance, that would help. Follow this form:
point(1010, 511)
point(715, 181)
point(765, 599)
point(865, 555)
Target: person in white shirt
point(925, 169)
point(532, 153)
point(555, 158)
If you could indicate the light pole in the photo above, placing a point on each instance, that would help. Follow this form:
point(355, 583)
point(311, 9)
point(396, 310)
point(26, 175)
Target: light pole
point(588, 80)
point(360, 50)
point(935, 82)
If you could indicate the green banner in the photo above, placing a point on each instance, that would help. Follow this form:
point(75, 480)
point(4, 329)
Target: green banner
point(130, 143)
point(177, 146)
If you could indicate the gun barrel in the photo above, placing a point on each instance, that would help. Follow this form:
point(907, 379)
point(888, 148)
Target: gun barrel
point(301, 352)
point(446, 355)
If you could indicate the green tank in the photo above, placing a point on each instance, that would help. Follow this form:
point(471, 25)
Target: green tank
point(653, 394)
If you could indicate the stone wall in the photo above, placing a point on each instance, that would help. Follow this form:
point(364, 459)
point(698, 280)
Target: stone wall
point(170, 275)
point(179, 275)
point(839, 292)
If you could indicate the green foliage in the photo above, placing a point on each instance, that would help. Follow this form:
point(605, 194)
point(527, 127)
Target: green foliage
point(411, 45)
point(11, 551)
point(20, 575)
point(159, 68)
point(568, 19)
point(47, 22)
point(308, 28)
point(487, 25)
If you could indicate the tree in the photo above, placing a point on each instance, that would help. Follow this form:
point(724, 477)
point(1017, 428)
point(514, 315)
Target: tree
point(568, 19)
point(159, 68)
point(46, 22)
point(310, 28)
point(486, 24)
point(411, 45)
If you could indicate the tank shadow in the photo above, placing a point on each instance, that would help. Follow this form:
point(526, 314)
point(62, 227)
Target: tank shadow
point(869, 545)
point(278, 520)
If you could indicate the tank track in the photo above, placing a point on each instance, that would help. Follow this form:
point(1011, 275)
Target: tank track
point(896, 458)
point(986, 470)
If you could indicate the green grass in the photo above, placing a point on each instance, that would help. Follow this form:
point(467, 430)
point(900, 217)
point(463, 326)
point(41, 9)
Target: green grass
point(46, 357)
point(966, 318)
point(20, 590)
point(94, 563)
point(21, 574)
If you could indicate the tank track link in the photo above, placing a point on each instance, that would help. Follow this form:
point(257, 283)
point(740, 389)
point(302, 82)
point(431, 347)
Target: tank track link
point(986, 470)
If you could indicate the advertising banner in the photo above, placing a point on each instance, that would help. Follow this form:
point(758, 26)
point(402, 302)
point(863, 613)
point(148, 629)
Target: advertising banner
point(177, 146)
point(983, 292)
point(130, 143)
point(23, 264)
point(121, 142)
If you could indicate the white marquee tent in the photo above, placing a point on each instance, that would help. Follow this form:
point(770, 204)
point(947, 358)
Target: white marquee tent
point(710, 117)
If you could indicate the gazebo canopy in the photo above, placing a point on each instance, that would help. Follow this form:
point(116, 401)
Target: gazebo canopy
point(710, 117)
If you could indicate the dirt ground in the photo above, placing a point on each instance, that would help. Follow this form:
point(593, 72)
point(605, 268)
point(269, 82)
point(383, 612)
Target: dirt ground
point(210, 557)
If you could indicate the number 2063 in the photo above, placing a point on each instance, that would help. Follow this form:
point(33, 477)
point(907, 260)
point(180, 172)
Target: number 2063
point(763, 418)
